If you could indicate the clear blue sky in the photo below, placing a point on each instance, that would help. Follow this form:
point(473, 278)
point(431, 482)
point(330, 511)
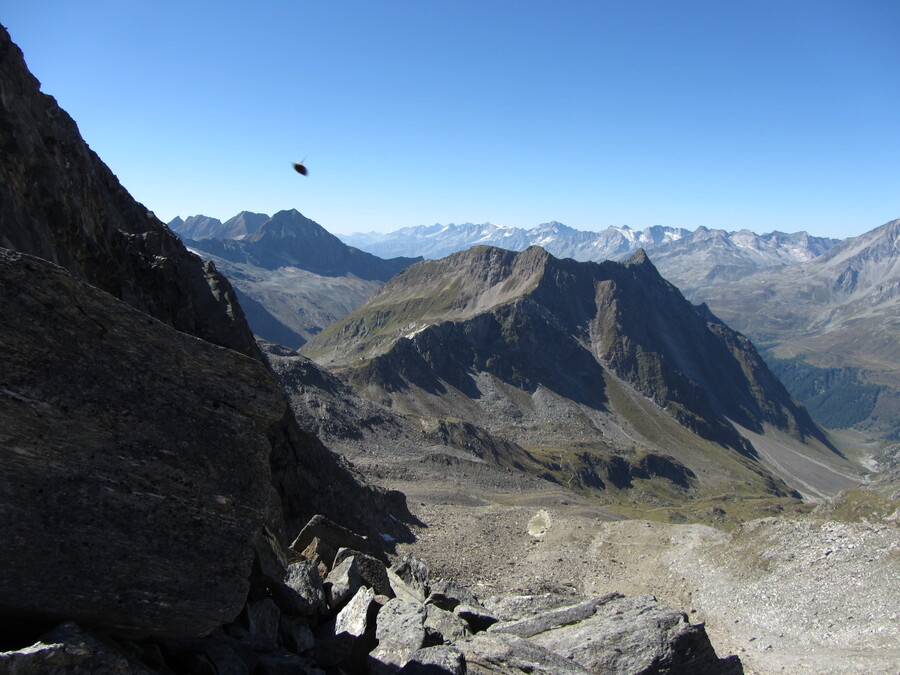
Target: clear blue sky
point(762, 114)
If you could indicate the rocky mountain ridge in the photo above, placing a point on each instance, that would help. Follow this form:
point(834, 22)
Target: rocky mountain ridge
point(61, 206)
point(834, 321)
point(287, 239)
point(292, 276)
point(513, 342)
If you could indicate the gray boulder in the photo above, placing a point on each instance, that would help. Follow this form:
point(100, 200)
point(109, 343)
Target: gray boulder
point(515, 607)
point(636, 635)
point(303, 591)
point(505, 654)
point(348, 638)
point(354, 618)
point(476, 616)
point(69, 649)
point(351, 574)
point(402, 590)
point(447, 594)
point(443, 627)
point(436, 661)
point(554, 618)
point(400, 632)
point(331, 534)
point(372, 570)
point(415, 574)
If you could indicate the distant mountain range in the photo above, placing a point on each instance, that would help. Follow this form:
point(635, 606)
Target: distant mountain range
point(686, 258)
point(823, 311)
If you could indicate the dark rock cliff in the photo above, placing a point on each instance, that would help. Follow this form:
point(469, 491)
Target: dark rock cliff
point(59, 202)
point(135, 461)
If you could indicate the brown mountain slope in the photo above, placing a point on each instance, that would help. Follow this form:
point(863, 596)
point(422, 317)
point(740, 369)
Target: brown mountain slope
point(562, 355)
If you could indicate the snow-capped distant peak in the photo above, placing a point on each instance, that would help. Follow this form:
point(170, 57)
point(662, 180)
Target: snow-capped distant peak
point(615, 242)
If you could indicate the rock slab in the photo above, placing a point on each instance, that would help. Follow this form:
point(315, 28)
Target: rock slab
point(135, 461)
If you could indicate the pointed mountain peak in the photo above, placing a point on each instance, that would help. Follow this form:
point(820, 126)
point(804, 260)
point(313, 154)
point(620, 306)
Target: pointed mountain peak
point(641, 266)
point(639, 257)
point(290, 223)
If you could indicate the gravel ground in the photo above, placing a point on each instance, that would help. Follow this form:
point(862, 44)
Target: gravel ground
point(787, 596)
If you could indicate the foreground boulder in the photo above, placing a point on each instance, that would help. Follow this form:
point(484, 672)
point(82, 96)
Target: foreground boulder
point(619, 635)
point(558, 635)
point(135, 461)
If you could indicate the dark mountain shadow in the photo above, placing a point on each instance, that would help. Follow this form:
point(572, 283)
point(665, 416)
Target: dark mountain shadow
point(266, 326)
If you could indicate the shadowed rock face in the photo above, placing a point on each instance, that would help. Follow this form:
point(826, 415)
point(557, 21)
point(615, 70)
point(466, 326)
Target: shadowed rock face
point(59, 202)
point(135, 464)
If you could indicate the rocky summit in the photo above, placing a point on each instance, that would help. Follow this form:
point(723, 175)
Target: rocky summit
point(517, 342)
point(290, 239)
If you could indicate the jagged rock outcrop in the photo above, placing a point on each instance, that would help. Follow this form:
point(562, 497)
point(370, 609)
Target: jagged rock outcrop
point(391, 632)
point(626, 635)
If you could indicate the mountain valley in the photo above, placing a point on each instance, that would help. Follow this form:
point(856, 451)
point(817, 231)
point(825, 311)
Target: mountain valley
point(833, 319)
point(256, 449)
point(488, 432)
point(548, 354)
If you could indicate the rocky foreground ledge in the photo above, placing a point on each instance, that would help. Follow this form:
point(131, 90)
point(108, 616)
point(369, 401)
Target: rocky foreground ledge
point(327, 605)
